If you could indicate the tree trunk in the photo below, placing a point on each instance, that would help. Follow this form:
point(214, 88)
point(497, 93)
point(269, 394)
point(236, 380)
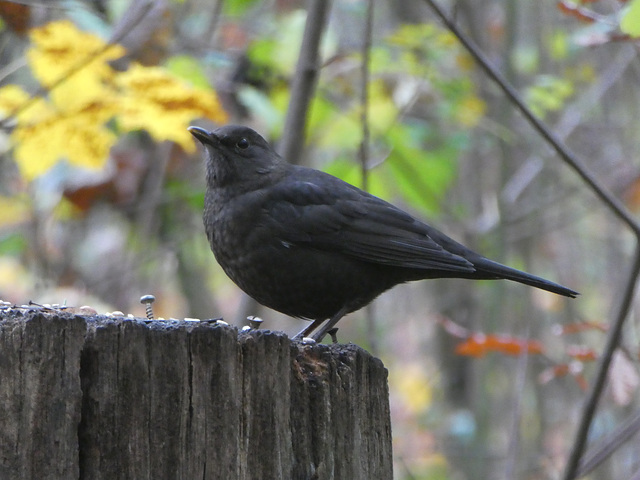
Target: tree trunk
point(100, 398)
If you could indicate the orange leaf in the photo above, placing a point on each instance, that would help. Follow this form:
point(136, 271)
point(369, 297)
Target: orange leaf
point(514, 346)
point(632, 195)
point(579, 327)
point(582, 353)
point(555, 371)
point(581, 381)
point(474, 346)
point(562, 370)
point(479, 344)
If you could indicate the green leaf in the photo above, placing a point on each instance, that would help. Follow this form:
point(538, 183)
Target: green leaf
point(280, 52)
point(184, 191)
point(189, 69)
point(349, 170)
point(260, 105)
point(630, 22)
point(237, 7)
point(12, 244)
point(343, 131)
point(558, 45)
point(548, 94)
point(321, 114)
point(421, 175)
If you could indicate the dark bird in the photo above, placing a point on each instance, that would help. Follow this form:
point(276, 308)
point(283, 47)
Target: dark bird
point(309, 245)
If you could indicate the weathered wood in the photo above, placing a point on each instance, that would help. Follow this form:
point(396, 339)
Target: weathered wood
point(100, 398)
point(40, 396)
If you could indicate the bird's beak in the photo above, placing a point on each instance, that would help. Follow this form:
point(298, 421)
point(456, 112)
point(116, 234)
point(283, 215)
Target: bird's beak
point(203, 136)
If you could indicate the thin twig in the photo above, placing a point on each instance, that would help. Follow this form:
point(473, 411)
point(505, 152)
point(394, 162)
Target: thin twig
point(628, 428)
point(519, 392)
point(607, 198)
point(12, 67)
point(214, 19)
point(304, 82)
point(363, 151)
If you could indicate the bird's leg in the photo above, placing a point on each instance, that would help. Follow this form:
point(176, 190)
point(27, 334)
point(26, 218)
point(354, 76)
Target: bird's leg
point(308, 329)
point(319, 335)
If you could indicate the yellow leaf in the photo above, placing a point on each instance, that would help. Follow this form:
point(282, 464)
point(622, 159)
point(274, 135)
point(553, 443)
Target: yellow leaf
point(35, 151)
point(59, 48)
point(630, 22)
point(412, 384)
point(88, 145)
point(470, 110)
point(14, 210)
point(465, 62)
point(79, 136)
point(445, 39)
point(12, 98)
point(382, 110)
point(78, 91)
point(156, 101)
point(70, 123)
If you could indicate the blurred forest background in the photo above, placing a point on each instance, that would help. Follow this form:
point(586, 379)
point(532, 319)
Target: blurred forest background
point(102, 188)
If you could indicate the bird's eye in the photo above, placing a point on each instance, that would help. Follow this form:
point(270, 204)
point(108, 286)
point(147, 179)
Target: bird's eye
point(243, 143)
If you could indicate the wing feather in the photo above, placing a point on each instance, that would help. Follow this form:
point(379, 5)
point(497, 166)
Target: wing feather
point(325, 215)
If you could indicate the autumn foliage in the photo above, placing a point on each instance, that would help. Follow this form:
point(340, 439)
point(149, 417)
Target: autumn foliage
point(85, 104)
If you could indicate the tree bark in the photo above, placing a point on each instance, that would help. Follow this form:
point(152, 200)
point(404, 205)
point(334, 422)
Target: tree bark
point(104, 398)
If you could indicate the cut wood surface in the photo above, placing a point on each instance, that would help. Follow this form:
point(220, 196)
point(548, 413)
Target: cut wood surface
point(109, 398)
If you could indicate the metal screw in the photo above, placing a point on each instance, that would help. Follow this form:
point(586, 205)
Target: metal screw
point(254, 322)
point(333, 332)
point(214, 321)
point(147, 300)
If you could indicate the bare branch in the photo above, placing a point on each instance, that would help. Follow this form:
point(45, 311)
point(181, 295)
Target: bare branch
point(304, 82)
point(628, 428)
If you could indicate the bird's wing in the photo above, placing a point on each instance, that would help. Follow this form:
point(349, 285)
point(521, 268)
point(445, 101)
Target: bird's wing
point(333, 215)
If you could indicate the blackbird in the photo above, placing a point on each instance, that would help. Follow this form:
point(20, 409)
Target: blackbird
point(310, 245)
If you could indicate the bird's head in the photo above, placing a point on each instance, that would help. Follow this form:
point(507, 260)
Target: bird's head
point(236, 154)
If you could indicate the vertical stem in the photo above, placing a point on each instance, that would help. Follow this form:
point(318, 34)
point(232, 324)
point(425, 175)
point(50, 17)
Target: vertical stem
point(363, 151)
point(304, 82)
point(516, 419)
point(214, 19)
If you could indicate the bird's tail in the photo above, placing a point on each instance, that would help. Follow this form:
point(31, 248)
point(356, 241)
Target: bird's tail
point(494, 270)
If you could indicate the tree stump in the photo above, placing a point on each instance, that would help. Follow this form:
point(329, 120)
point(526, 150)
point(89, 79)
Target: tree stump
point(118, 398)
